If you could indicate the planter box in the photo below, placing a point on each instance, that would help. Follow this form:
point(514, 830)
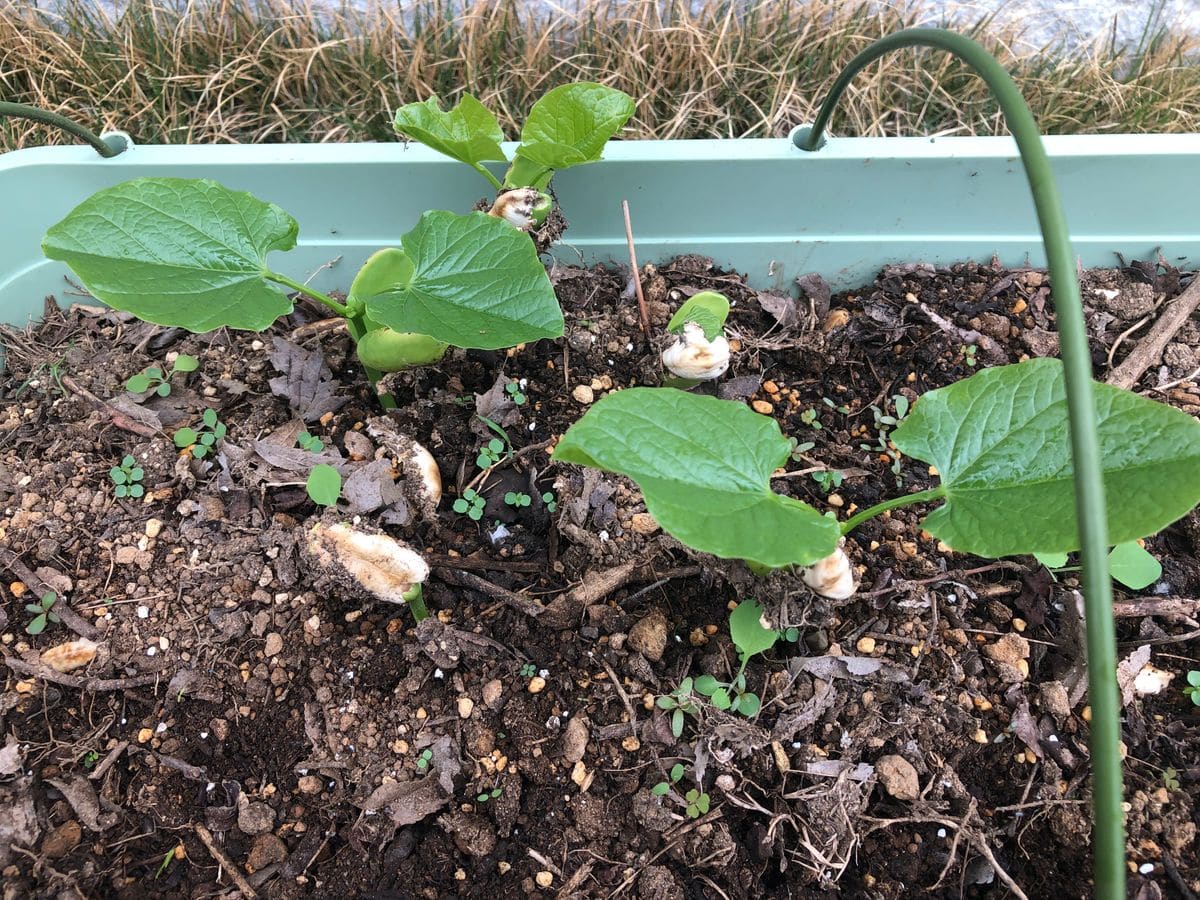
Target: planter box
point(763, 207)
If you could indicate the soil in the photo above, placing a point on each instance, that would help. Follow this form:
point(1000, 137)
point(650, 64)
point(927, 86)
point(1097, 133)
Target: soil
point(252, 723)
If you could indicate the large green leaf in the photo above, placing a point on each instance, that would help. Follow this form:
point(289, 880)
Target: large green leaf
point(471, 281)
point(468, 132)
point(704, 466)
point(1000, 443)
point(174, 251)
point(568, 126)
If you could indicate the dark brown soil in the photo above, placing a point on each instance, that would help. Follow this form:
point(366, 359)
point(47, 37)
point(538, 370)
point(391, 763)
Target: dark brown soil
point(242, 692)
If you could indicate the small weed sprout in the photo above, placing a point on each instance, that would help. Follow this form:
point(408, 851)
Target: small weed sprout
point(550, 500)
point(490, 453)
point(309, 442)
point(697, 803)
point(517, 500)
point(829, 480)
point(489, 795)
point(528, 670)
point(43, 613)
point(1193, 686)
point(166, 860)
point(679, 703)
point(201, 442)
point(674, 775)
point(513, 389)
point(968, 351)
point(751, 637)
point(470, 504)
point(809, 418)
point(324, 485)
point(424, 760)
point(126, 479)
point(154, 379)
point(796, 454)
point(90, 759)
point(1170, 777)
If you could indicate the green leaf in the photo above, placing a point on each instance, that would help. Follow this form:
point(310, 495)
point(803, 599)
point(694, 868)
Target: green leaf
point(708, 309)
point(461, 506)
point(137, 383)
point(1130, 564)
point(677, 722)
point(467, 132)
point(127, 460)
point(117, 475)
point(324, 485)
point(571, 124)
point(38, 624)
point(702, 803)
point(185, 437)
point(665, 702)
point(747, 630)
point(121, 491)
point(185, 363)
point(473, 281)
point(720, 699)
point(1193, 677)
point(1051, 560)
point(660, 789)
point(209, 416)
point(136, 490)
point(199, 451)
point(704, 466)
point(748, 704)
point(173, 251)
point(163, 390)
point(677, 771)
point(137, 473)
point(706, 685)
point(999, 442)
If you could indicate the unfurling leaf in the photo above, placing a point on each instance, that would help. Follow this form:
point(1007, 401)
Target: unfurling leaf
point(704, 466)
point(1000, 443)
point(175, 251)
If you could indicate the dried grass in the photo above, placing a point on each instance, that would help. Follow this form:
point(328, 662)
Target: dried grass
point(269, 70)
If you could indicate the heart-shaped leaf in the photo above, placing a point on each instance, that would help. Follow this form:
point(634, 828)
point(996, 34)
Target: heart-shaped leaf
point(1000, 443)
point(467, 132)
point(175, 251)
point(568, 126)
point(1130, 564)
point(704, 466)
point(749, 633)
point(471, 281)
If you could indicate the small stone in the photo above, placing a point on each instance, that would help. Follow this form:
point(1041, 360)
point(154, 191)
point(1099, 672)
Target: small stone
point(631, 744)
point(493, 693)
point(153, 527)
point(503, 867)
point(274, 644)
point(310, 784)
point(648, 636)
point(1055, 700)
point(865, 645)
point(1011, 655)
point(575, 738)
point(267, 849)
point(313, 624)
point(255, 818)
point(583, 394)
point(465, 707)
point(579, 774)
point(537, 684)
point(1018, 624)
point(898, 777)
point(980, 736)
point(836, 500)
point(544, 879)
point(144, 735)
point(644, 523)
point(762, 407)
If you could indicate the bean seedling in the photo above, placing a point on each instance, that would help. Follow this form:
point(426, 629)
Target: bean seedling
point(126, 478)
point(43, 613)
point(153, 378)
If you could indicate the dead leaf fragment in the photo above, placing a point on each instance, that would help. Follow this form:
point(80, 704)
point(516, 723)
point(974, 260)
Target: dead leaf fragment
point(71, 655)
point(307, 383)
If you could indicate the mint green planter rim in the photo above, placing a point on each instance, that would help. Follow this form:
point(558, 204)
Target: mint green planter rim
point(762, 207)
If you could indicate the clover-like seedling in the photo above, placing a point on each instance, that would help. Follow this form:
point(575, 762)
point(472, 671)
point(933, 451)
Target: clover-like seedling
point(126, 478)
point(490, 453)
point(489, 795)
point(1193, 686)
point(201, 442)
point(829, 480)
point(697, 803)
point(679, 703)
point(528, 670)
point(309, 442)
point(424, 760)
point(154, 379)
point(550, 500)
point(663, 787)
point(516, 499)
point(43, 613)
point(513, 389)
point(470, 504)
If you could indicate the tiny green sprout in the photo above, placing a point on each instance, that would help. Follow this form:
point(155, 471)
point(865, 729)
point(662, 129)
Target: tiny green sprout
point(1193, 688)
point(309, 442)
point(43, 613)
point(516, 499)
point(663, 787)
point(324, 485)
point(126, 478)
point(1170, 777)
point(790, 634)
point(489, 795)
point(166, 861)
point(90, 759)
point(796, 454)
point(489, 453)
point(697, 803)
point(201, 442)
point(550, 500)
point(829, 480)
point(513, 389)
point(678, 703)
point(154, 378)
point(750, 636)
point(843, 409)
point(471, 504)
point(528, 670)
point(968, 352)
point(809, 418)
point(424, 760)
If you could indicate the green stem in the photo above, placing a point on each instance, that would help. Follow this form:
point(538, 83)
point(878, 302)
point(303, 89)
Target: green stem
point(357, 328)
point(309, 292)
point(415, 598)
point(496, 183)
point(858, 518)
point(1109, 837)
point(23, 111)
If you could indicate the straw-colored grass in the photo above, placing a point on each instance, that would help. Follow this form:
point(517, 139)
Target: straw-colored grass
point(269, 70)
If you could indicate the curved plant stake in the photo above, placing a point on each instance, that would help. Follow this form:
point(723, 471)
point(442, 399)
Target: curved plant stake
point(1089, 488)
point(704, 466)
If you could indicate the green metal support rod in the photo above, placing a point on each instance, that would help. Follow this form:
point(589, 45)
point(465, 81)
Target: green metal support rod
point(1109, 837)
point(23, 111)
